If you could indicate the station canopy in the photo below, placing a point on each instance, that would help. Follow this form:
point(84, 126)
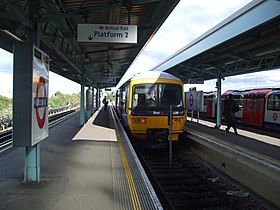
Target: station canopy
point(56, 24)
point(247, 41)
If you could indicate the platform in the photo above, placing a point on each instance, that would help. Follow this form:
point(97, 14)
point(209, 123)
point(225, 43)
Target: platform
point(259, 143)
point(248, 158)
point(91, 167)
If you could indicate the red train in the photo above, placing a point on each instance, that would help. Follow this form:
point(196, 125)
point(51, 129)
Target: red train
point(258, 107)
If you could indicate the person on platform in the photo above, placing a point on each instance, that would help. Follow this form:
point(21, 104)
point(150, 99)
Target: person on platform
point(105, 102)
point(230, 108)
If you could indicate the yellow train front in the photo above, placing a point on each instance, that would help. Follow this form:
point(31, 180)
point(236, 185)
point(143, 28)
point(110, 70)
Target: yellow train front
point(144, 103)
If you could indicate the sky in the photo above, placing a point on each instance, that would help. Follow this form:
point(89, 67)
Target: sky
point(189, 20)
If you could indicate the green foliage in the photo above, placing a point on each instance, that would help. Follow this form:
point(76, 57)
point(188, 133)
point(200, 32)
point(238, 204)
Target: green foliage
point(59, 99)
point(6, 105)
point(110, 96)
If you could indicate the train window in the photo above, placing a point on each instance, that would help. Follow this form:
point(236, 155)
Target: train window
point(124, 99)
point(205, 100)
point(170, 94)
point(156, 95)
point(248, 105)
point(273, 102)
point(144, 95)
point(257, 106)
point(238, 100)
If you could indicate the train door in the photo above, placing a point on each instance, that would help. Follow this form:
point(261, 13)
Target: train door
point(248, 107)
point(258, 110)
point(211, 105)
point(272, 110)
point(253, 112)
point(238, 98)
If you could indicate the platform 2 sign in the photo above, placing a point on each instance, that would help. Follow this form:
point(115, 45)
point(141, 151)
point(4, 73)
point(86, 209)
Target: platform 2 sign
point(31, 88)
point(107, 33)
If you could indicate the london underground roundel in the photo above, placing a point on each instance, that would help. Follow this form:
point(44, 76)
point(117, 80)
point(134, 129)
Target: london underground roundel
point(41, 102)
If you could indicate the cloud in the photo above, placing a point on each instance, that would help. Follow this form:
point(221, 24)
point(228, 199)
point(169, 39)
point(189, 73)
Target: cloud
point(6, 61)
point(262, 79)
point(59, 83)
point(6, 84)
point(189, 20)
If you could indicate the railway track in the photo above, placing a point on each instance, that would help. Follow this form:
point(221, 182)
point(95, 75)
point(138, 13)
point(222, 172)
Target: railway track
point(190, 184)
point(6, 136)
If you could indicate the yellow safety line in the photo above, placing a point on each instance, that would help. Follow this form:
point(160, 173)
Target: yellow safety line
point(131, 185)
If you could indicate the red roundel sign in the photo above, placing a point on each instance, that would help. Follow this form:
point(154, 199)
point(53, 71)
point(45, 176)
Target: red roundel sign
point(191, 99)
point(41, 102)
point(275, 116)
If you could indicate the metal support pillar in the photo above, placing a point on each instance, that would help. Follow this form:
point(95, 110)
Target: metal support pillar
point(32, 154)
point(82, 102)
point(32, 164)
point(82, 106)
point(93, 108)
point(97, 97)
point(219, 100)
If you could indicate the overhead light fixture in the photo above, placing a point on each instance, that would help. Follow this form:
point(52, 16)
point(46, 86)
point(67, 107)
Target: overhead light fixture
point(10, 34)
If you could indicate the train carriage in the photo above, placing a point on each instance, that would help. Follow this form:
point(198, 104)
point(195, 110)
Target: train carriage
point(272, 110)
point(144, 103)
point(257, 107)
point(254, 103)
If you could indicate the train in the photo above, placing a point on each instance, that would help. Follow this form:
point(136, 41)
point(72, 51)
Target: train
point(143, 105)
point(257, 107)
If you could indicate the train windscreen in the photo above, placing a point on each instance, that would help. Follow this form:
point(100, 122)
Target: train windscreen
point(157, 96)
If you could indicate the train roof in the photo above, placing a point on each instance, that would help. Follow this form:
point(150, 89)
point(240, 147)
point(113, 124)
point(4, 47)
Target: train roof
point(277, 91)
point(258, 92)
point(154, 75)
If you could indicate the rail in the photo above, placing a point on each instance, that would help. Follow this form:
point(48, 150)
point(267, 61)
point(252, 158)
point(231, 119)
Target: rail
point(6, 136)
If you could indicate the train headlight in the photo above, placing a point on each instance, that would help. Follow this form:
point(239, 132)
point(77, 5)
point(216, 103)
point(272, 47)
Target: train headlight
point(139, 120)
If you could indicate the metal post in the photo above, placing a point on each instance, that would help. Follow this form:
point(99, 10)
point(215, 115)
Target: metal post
point(32, 153)
point(97, 97)
point(197, 116)
point(82, 106)
point(219, 101)
point(170, 137)
point(32, 164)
point(82, 101)
point(92, 109)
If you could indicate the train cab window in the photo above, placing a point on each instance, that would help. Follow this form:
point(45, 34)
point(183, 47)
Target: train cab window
point(273, 102)
point(144, 95)
point(170, 94)
point(156, 96)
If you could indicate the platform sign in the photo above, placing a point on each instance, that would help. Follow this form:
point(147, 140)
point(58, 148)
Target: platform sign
point(40, 95)
point(194, 100)
point(196, 81)
point(30, 99)
point(108, 80)
point(107, 33)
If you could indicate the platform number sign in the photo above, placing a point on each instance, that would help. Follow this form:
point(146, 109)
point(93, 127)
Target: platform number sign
point(107, 33)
